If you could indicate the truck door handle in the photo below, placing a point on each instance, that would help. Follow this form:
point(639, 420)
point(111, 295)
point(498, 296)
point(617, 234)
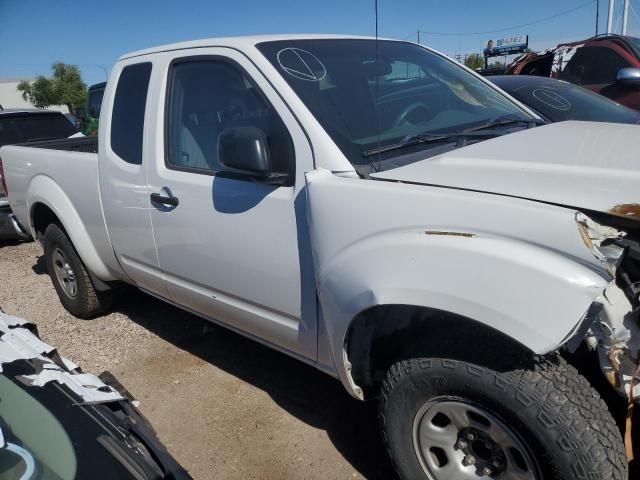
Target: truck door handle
point(168, 200)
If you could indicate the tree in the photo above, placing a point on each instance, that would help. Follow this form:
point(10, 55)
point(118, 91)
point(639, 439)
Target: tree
point(474, 61)
point(65, 87)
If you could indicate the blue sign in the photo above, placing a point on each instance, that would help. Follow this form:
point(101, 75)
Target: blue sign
point(506, 46)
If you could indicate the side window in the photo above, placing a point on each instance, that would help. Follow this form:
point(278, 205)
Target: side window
point(127, 118)
point(593, 66)
point(208, 96)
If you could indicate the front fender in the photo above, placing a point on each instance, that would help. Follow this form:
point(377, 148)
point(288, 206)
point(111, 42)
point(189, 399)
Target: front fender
point(531, 294)
point(517, 266)
point(43, 189)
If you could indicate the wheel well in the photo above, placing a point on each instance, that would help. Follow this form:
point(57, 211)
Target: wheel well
point(386, 334)
point(41, 217)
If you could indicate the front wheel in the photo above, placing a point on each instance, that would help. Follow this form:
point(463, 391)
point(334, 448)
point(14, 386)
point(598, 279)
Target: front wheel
point(448, 419)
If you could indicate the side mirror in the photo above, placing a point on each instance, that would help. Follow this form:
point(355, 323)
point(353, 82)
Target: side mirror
point(245, 153)
point(629, 77)
point(244, 150)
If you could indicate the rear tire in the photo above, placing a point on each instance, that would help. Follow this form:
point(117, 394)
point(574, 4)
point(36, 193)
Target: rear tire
point(70, 277)
point(543, 422)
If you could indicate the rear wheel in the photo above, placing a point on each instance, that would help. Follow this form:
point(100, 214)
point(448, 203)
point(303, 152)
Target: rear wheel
point(448, 419)
point(70, 277)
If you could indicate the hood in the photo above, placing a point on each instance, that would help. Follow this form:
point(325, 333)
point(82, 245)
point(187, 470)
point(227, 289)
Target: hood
point(586, 165)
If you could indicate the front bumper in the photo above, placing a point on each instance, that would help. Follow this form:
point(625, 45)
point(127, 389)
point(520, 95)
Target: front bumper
point(10, 229)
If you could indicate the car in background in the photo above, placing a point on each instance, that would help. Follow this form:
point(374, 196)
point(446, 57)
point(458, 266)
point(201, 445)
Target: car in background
point(557, 100)
point(58, 423)
point(73, 120)
point(25, 126)
point(606, 64)
point(94, 103)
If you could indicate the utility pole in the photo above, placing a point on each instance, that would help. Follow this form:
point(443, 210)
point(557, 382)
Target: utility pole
point(610, 15)
point(597, 15)
point(625, 17)
point(418, 37)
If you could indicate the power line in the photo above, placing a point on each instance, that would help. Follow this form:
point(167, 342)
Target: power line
point(550, 17)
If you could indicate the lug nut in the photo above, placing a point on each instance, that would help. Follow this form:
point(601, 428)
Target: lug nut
point(470, 436)
point(461, 444)
point(498, 462)
point(486, 471)
point(468, 460)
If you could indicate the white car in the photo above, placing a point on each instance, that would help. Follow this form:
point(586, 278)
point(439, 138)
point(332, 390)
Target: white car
point(376, 210)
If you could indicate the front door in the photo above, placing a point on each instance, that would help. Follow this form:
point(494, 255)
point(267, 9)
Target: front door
point(234, 250)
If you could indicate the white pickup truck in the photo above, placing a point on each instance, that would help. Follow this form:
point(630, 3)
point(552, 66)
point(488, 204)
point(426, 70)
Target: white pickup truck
point(378, 211)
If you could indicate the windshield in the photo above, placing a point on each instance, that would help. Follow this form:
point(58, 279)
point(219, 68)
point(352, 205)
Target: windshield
point(561, 101)
point(36, 445)
point(364, 104)
point(20, 128)
point(636, 42)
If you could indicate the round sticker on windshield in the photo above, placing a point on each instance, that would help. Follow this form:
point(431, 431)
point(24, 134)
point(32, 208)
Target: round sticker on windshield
point(301, 64)
point(552, 99)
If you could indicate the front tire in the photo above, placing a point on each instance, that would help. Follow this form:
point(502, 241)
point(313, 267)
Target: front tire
point(70, 277)
point(449, 419)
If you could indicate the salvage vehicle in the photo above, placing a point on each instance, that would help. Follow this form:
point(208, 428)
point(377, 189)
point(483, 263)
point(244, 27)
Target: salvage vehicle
point(557, 100)
point(59, 423)
point(607, 64)
point(380, 212)
point(20, 126)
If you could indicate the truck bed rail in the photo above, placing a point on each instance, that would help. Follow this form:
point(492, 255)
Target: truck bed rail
point(78, 144)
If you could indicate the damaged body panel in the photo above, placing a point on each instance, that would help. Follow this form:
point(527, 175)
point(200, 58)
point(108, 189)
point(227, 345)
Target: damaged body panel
point(17, 342)
point(515, 235)
point(615, 329)
point(502, 263)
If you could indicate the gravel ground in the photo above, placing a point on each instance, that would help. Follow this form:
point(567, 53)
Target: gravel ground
point(225, 406)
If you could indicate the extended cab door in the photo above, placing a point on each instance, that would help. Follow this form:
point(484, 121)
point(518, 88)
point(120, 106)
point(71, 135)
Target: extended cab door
point(124, 191)
point(235, 250)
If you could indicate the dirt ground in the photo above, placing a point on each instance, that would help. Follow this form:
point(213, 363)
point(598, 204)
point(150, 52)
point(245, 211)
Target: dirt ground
point(225, 406)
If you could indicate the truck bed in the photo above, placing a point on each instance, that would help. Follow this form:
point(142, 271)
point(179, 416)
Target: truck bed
point(62, 174)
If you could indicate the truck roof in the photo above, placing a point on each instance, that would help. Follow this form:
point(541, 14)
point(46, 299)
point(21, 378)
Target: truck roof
point(241, 41)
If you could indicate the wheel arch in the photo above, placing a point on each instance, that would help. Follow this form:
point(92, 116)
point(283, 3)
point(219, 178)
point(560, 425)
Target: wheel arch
point(382, 335)
point(48, 203)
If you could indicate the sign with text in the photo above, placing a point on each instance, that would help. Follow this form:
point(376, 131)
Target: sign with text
point(506, 46)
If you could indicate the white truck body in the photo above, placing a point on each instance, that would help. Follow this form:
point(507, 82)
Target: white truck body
point(104, 206)
point(502, 232)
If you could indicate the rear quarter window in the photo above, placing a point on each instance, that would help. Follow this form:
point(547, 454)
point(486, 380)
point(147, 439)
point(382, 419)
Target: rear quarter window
point(127, 118)
point(33, 127)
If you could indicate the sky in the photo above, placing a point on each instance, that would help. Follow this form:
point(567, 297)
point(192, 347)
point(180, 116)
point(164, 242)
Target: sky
point(93, 34)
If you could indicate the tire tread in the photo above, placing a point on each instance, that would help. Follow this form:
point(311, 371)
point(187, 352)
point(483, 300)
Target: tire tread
point(565, 401)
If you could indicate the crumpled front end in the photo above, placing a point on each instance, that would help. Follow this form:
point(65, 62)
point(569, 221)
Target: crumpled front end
point(613, 321)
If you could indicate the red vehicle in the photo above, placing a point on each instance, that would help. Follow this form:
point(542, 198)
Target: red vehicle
point(606, 64)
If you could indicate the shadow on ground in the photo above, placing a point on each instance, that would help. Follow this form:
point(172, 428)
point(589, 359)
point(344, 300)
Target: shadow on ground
point(311, 396)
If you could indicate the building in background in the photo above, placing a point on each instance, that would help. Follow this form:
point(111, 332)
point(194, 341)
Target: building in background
point(10, 97)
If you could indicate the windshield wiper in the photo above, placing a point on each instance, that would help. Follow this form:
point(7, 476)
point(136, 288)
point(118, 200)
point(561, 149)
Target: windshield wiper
point(477, 131)
point(419, 138)
point(501, 122)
